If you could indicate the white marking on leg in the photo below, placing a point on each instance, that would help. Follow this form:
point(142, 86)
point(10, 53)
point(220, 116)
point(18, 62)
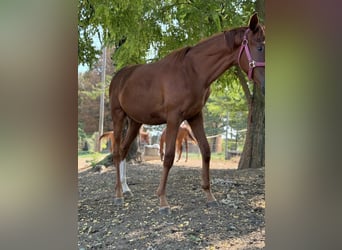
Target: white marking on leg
point(123, 178)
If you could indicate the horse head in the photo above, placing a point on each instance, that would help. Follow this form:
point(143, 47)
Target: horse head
point(252, 52)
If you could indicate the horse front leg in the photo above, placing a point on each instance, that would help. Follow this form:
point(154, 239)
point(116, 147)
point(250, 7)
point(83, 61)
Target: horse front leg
point(171, 134)
point(196, 124)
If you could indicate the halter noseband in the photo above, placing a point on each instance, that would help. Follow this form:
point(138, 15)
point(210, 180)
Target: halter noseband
point(251, 63)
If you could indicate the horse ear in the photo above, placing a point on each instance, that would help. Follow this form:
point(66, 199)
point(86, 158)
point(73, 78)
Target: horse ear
point(253, 22)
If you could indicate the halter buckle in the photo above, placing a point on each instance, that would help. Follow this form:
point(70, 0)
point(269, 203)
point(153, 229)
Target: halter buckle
point(252, 64)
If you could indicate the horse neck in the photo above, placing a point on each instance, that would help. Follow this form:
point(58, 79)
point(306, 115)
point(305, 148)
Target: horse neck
point(213, 57)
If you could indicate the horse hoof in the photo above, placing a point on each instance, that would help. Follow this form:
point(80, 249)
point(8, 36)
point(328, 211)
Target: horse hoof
point(128, 194)
point(212, 204)
point(119, 201)
point(164, 210)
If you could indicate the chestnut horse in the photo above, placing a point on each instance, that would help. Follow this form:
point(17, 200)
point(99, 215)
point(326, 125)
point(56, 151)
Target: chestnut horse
point(184, 134)
point(175, 89)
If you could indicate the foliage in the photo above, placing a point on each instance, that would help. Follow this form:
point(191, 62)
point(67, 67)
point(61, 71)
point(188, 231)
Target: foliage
point(227, 100)
point(213, 123)
point(138, 28)
point(81, 134)
point(89, 89)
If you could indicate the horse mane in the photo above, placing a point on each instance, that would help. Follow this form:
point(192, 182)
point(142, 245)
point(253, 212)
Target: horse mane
point(208, 39)
point(229, 35)
point(261, 35)
point(234, 36)
point(177, 55)
point(232, 40)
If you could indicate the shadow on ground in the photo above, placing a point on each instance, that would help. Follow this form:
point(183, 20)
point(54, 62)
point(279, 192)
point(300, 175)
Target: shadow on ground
point(237, 223)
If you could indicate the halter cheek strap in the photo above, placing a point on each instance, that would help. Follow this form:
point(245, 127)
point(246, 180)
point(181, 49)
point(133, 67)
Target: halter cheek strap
point(251, 63)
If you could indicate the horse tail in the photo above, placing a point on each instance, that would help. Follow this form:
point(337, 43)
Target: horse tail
point(109, 136)
point(106, 135)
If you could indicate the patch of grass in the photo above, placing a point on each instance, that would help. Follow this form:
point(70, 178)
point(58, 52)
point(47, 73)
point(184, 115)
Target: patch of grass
point(92, 158)
point(214, 156)
point(95, 158)
point(217, 156)
point(90, 154)
point(84, 154)
point(195, 156)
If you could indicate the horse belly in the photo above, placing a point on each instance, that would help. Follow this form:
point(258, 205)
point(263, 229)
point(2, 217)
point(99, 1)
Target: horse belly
point(150, 118)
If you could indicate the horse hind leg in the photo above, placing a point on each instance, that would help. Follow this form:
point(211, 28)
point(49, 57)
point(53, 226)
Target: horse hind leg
point(125, 189)
point(122, 143)
point(131, 134)
point(118, 119)
point(124, 185)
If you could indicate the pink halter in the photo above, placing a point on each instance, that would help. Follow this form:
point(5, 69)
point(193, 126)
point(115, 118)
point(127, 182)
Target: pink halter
point(251, 63)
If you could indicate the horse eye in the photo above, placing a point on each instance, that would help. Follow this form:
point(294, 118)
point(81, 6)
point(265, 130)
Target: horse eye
point(259, 48)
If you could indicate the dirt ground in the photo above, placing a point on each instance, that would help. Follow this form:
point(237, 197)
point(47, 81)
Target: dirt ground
point(237, 223)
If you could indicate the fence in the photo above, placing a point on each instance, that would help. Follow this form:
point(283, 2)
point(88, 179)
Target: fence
point(217, 143)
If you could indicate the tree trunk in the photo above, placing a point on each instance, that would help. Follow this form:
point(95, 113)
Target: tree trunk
point(253, 154)
point(260, 9)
